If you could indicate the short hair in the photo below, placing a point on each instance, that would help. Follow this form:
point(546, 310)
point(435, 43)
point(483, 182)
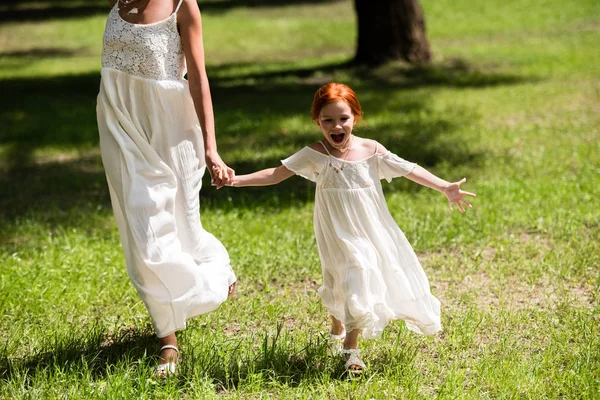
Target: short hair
point(331, 93)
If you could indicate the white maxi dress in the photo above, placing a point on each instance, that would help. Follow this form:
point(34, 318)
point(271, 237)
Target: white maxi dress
point(371, 275)
point(152, 152)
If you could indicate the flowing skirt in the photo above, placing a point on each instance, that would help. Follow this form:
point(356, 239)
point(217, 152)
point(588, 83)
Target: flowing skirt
point(152, 151)
point(371, 274)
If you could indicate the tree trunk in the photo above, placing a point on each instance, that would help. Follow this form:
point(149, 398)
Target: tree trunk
point(391, 30)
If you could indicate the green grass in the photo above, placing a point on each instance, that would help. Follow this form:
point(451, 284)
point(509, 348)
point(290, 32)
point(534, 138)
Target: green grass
point(511, 102)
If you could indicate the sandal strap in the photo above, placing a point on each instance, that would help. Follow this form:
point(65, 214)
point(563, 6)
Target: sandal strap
point(169, 346)
point(341, 336)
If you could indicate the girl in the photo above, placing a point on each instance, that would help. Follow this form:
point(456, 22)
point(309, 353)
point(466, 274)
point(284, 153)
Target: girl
point(371, 274)
point(157, 137)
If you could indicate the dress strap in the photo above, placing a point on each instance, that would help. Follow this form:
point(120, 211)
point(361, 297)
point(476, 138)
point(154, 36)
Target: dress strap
point(325, 147)
point(178, 5)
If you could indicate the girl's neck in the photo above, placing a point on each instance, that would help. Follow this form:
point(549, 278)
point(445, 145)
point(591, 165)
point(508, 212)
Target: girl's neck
point(343, 151)
point(358, 149)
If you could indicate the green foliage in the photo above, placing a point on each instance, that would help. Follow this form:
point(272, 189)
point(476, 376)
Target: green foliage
point(511, 102)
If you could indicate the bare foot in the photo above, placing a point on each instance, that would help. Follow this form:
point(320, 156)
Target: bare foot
point(231, 290)
point(337, 327)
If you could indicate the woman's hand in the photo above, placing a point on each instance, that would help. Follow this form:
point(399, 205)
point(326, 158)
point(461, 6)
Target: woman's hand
point(220, 173)
point(456, 196)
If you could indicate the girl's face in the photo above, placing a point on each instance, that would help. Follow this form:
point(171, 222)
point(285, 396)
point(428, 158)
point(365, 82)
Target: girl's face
point(336, 122)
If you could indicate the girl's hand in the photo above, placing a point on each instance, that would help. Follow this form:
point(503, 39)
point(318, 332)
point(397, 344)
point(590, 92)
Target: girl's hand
point(220, 173)
point(455, 195)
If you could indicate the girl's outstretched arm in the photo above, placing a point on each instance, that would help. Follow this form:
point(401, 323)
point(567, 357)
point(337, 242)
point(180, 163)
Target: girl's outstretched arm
point(451, 190)
point(265, 177)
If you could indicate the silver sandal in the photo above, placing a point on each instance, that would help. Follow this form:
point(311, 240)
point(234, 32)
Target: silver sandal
point(354, 361)
point(168, 368)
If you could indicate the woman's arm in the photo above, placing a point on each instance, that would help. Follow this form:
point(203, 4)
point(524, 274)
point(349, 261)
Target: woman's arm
point(190, 29)
point(265, 177)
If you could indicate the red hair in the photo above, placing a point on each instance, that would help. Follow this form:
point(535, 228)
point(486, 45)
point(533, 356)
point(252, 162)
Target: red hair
point(331, 93)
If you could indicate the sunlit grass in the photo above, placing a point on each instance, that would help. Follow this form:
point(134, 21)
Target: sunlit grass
point(511, 102)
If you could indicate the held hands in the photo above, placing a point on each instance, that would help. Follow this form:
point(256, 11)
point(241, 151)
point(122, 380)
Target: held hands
point(455, 195)
point(220, 173)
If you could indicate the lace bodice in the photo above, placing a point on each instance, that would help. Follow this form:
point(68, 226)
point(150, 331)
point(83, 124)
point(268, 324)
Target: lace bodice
point(152, 51)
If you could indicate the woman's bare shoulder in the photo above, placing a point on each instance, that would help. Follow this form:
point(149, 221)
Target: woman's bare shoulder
point(188, 12)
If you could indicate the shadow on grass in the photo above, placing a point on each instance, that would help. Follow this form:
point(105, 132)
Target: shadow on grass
point(40, 10)
point(98, 353)
point(278, 358)
point(41, 53)
point(253, 113)
point(454, 73)
point(225, 5)
point(50, 10)
point(94, 351)
point(15, 60)
point(57, 193)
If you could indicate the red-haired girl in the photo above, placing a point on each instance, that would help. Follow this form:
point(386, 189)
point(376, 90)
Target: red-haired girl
point(371, 274)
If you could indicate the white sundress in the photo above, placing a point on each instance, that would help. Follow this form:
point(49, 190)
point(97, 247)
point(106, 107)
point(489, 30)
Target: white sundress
point(371, 274)
point(152, 152)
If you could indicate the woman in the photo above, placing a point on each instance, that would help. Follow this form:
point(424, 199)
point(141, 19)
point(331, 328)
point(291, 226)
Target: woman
point(156, 138)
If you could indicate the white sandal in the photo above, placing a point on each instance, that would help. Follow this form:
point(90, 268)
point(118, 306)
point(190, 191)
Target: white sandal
point(354, 361)
point(169, 367)
point(335, 341)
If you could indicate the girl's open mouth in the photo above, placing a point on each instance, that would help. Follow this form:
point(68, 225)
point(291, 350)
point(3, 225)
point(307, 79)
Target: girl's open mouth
point(338, 138)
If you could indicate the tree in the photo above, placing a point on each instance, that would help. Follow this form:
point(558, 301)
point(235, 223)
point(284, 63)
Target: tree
point(391, 30)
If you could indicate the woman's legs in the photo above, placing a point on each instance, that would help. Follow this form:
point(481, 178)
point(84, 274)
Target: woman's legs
point(232, 289)
point(167, 355)
point(170, 355)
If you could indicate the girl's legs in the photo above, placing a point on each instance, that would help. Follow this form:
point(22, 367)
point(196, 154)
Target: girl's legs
point(336, 326)
point(354, 364)
point(351, 341)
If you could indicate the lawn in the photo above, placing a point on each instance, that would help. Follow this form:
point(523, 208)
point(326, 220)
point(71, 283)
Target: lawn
point(511, 101)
